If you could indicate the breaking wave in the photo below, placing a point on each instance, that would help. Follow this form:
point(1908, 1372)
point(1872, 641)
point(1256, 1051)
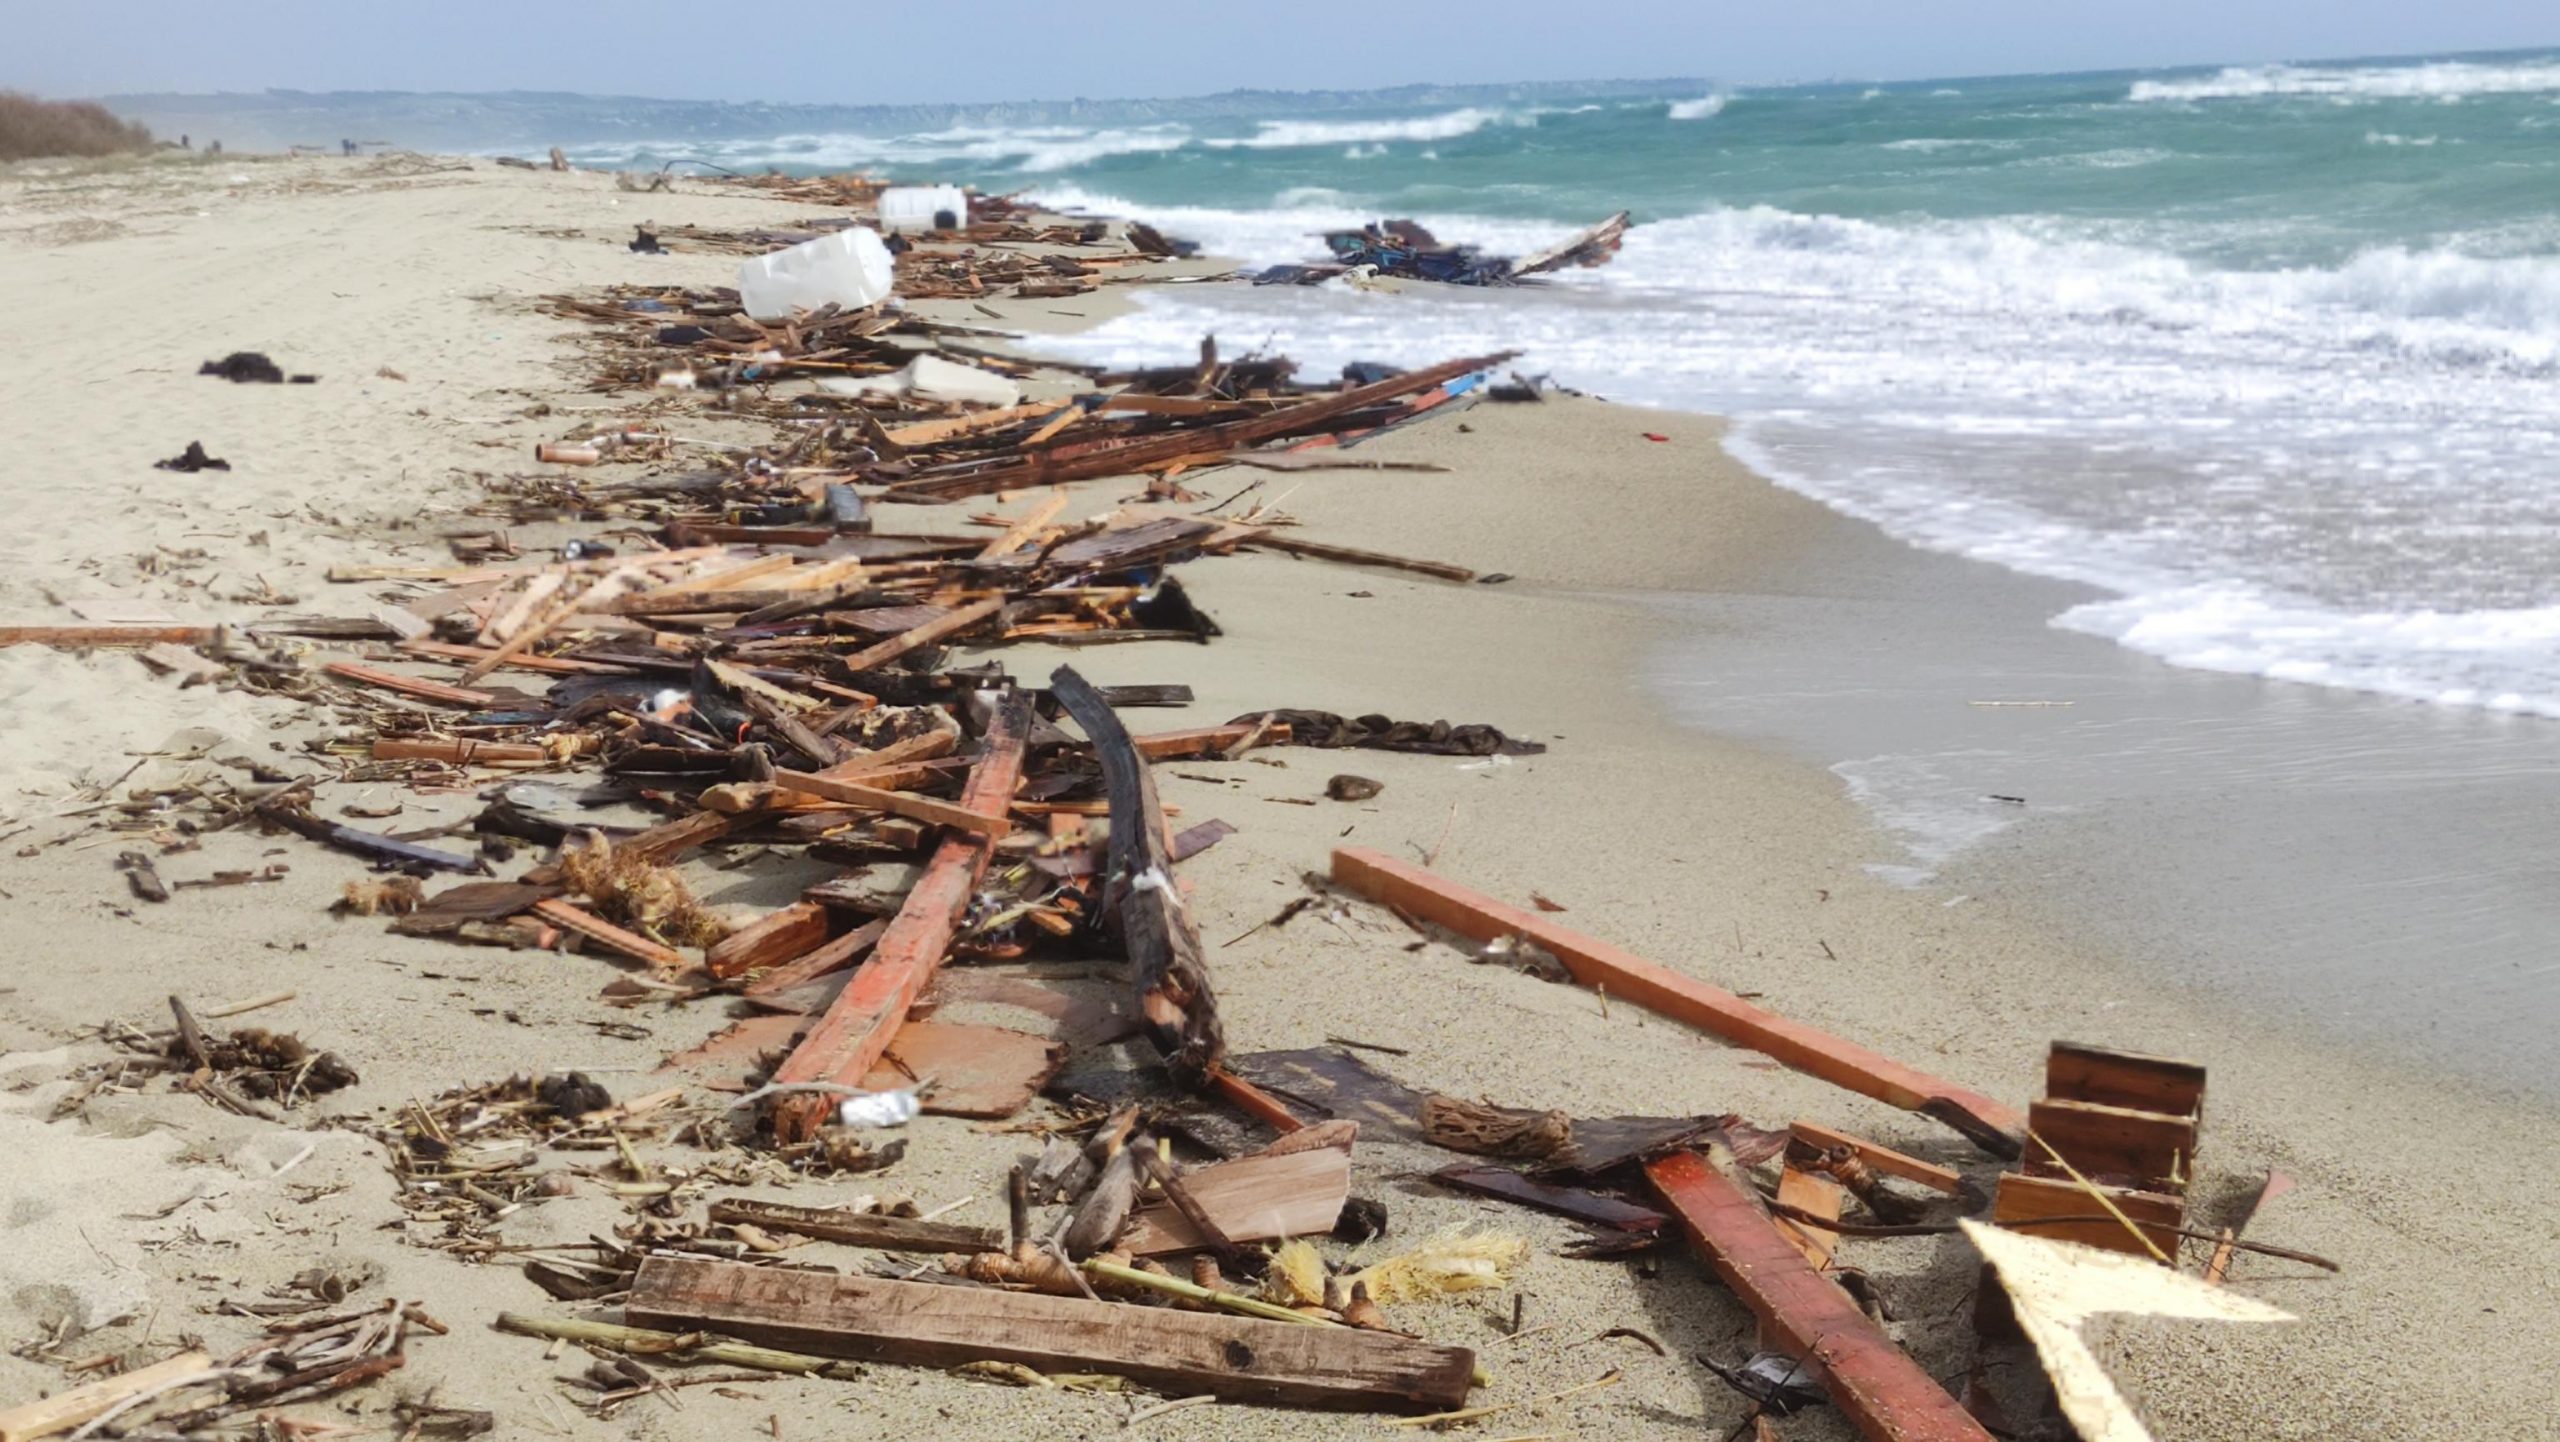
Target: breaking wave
point(1301, 134)
point(2438, 80)
point(1704, 107)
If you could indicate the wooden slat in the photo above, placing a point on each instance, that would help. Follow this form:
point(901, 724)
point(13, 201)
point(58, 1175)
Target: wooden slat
point(1020, 532)
point(769, 940)
point(105, 635)
point(2075, 1072)
point(1989, 1124)
point(849, 1040)
point(1805, 1313)
point(1821, 1196)
point(1241, 1359)
point(859, 1229)
point(896, 803)
point(1205, 740)
point(558, 665)
point(2025, 1199)
point(926, 433)
point(460, 751)
point(569, 917)
point(808, 967)
point(424, 690)
point(63, 1411)
point(2113, 1144)
point(1351, 556)
point(950, 624)
point(1880, 1158)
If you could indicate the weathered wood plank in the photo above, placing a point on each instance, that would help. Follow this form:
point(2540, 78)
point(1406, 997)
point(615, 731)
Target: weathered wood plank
point(1989, 1124)
point(849, 1040)
point(1241, 1359)
point(860, 1229)
point(1805, 1313)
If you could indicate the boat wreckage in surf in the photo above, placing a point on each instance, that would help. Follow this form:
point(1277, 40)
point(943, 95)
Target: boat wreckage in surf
point(1405, 250)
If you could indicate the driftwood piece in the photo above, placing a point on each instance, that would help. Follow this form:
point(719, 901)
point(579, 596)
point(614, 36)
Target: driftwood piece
point(1991, 1125)
point(48, 1416)
point(1804, 1313)
point(849, 1040)
point(1163, 942)
point(1237, 1358)
point(1597, 1208)
point(860, 1229)
point(366, 843)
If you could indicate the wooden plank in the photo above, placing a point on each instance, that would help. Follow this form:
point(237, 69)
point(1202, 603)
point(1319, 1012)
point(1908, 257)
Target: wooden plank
point(2025, 1199)
point(977, 1071)
point(424, 690)
point(896, 803)
point(1206, 740)
point(1242, 1359)
point(569, 917)
point(1879, 1158)
point(558, 665)
point(1321, 551)
point(69, 636)
point(670, 839)
point(858, 1229)
point(950, 624)
point(63, 1411)
point(461, 751)
point(1820, 1196)
point(2121, 1145)
point(808, 967)
point(950, 428)
point(1253, 1199)
point(2076, 1072)
point(1019, 534)
point(1989, 1124)
point(769, 940)
point(850, 1039)
point(1175, 1000)
point(1805, 1313)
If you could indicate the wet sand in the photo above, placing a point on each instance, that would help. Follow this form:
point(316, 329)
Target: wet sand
point(1743, 863)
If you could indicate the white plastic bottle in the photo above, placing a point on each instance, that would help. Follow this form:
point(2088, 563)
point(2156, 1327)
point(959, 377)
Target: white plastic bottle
point(906, 209)
point(851, 268)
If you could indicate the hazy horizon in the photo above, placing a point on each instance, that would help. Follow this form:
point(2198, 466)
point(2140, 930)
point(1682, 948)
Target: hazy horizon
point(906, 57)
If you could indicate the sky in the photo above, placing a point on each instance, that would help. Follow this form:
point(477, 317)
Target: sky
point(906, 51)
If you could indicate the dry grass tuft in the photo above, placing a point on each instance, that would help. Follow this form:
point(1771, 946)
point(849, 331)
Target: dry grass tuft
point(31, 129)
point(649, 899)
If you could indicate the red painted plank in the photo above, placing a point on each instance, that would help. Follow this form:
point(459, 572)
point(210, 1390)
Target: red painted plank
point(1805, 1313)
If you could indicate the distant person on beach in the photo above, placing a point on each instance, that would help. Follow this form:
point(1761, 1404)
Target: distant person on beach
point(346, 147)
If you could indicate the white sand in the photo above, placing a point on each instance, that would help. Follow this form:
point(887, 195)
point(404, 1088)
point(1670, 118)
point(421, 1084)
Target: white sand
point(1742, 867)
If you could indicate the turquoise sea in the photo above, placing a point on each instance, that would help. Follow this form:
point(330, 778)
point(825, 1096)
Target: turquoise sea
point(2271, 355)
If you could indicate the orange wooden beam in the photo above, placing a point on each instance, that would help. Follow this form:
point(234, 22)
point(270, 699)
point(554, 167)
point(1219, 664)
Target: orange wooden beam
point(1994, 1126)
point(849, 1040)
point(1805, 1313)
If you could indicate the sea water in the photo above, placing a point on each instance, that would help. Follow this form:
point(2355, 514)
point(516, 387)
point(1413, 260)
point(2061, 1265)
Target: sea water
point(2270, 355)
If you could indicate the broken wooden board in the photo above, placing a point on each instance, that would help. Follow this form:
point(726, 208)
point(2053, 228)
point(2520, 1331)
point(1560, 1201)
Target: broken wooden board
point(1240, 1359)
point(2024, 1202)
point(2075, 1071)
point(2118, 1145)
point(63, 1411)
point(1991, 1125)
point(978, 1071)
point(849, 1040)
point(769, 940)
point(1880, 1158)
point(858, 1229)
point(1252, 1199)
point(1804, 1313)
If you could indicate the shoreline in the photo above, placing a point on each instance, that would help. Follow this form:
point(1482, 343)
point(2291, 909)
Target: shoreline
point(1740, 862)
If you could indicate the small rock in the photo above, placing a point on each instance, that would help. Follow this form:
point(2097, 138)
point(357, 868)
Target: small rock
point(1348, 787)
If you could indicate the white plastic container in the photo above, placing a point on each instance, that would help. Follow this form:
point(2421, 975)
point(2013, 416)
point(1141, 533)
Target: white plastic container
point(851, 268)
point(906, 209)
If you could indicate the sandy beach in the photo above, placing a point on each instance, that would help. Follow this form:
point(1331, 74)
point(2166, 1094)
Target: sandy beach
point(410, 288)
